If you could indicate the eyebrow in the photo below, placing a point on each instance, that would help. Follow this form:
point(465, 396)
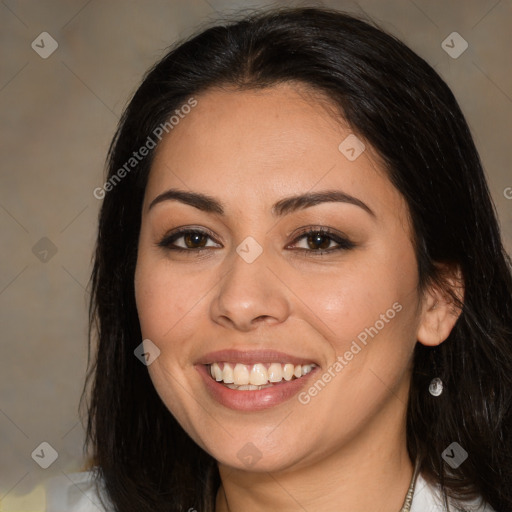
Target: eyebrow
point(282, 207)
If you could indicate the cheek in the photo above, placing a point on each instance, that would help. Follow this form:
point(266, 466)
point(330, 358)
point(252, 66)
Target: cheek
point(170, 305)
point(360, 295)
point(375, 330)
point(162, 310)
point(159, 305)
point(150, 297)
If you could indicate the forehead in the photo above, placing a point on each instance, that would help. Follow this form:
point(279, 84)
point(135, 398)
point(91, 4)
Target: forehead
point(258, 145)
point(270, 125)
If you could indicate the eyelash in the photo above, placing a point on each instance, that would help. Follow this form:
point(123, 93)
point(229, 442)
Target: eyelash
point(343, 243)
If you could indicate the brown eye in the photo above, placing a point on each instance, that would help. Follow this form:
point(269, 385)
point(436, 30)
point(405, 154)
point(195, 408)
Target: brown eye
point(191, 239)
point(318, 241)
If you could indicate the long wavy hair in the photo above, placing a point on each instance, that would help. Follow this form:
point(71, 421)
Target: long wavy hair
point(398, 104)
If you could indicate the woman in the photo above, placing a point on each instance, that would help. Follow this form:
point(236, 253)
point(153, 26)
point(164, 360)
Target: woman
point(301, 297)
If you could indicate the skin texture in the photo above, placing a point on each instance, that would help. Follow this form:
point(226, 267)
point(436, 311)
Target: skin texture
point(345, 450)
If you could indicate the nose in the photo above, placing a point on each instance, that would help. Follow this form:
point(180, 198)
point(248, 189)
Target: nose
point(250, 295)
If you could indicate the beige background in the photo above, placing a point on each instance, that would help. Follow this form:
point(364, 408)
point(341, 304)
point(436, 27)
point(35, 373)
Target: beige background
point(57, 117)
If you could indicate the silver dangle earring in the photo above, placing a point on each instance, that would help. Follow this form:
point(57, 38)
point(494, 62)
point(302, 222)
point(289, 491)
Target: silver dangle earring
point(436, 387)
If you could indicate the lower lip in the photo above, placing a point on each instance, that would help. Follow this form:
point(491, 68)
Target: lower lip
point(253, 400)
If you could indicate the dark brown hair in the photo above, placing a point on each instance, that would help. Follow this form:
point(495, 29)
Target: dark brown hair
point(399, 105)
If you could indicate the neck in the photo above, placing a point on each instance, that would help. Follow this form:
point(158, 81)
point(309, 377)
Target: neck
point(373, 472)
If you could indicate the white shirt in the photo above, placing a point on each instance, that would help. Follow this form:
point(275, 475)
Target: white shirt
point(427, 498)
point(75, 492)
point(78, 494)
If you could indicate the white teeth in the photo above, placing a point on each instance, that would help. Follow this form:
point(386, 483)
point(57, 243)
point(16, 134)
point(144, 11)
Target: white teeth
point(241, 375)
point(217, 372)
point(258, 375)
point(227, 373)
point(248, 387)
point(288, 370)
point(306, 368)
point(275, 372)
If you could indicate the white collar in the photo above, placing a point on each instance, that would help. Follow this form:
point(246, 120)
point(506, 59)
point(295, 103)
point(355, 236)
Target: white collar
point(427, 498)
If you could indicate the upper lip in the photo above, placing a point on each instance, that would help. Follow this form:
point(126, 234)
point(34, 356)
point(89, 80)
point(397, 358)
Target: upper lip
point(252, 357)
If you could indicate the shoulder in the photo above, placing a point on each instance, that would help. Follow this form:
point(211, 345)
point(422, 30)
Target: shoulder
point(76, 492)
point(427, 498)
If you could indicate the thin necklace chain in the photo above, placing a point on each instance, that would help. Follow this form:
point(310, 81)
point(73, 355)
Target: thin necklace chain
point(406, 507)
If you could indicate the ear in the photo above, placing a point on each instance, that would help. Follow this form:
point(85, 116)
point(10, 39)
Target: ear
point(439, 311)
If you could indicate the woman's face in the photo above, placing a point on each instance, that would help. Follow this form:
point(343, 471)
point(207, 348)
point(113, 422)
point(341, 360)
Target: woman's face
point(253, 291)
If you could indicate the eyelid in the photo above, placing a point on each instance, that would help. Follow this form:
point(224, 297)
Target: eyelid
point(318, 229)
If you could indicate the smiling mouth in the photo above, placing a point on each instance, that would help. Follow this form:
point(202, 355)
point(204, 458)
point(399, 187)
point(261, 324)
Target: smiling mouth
point(257, 376)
